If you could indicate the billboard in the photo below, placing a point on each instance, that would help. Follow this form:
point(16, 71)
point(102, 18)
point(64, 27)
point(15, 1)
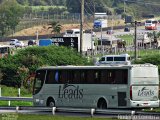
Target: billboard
point(66, 41)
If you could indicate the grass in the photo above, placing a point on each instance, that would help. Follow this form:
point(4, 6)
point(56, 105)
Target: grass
point(14, 116)
point(145, 52)
point(13, 92)
point(127, 38)
point(140, 53)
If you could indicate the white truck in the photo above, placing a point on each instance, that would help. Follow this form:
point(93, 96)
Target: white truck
point(100, 23)
point(88, 42)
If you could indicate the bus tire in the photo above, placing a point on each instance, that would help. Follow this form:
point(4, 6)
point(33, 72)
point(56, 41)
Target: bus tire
point(102, 104)
point(50, 102)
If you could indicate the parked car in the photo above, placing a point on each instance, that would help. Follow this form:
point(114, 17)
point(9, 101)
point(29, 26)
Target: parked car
point(13, 41)
point(91, 32)
point(19, 44)
point(109, 32)
point(126, 29)
point(32, 42)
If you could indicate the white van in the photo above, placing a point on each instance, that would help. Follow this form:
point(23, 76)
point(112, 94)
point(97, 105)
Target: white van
point(73, 31)
point(114, 59)
point(13, 41)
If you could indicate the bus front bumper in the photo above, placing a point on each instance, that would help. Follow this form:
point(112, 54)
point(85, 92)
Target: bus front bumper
point(38, 102)
point(144, 104)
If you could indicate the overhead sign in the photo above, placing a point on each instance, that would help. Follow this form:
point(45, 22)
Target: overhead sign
point(66, 41)
point(128, 19)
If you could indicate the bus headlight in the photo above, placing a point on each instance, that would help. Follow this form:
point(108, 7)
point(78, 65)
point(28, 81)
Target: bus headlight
point(37, 100)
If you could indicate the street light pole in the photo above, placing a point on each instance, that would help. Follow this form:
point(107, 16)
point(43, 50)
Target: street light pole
point(135, 39)
point(101, 41)
point(124, 2)
point(81, 27)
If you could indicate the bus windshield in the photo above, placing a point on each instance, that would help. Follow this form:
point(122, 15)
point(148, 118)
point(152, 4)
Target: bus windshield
point(39, 80)
point(148, 21)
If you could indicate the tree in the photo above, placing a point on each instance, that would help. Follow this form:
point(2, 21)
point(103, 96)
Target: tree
point(56, 27)
point(10, 12)
point(2, 26)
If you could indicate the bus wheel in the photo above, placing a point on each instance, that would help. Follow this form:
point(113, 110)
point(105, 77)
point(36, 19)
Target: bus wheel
point(102, 104)
point(50, 102)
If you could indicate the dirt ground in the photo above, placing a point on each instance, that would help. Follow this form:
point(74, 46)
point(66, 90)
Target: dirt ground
point(43, 30)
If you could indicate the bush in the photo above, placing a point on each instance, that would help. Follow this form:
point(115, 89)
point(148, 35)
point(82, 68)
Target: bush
point(16, 68)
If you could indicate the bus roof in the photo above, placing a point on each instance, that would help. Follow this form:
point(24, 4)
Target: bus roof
point(97, 67)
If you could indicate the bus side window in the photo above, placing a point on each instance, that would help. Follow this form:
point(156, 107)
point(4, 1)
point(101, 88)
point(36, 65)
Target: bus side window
point(56, 77)
point(109, 59)
point(76, 77)
point(52, 77)
point(121, 76)
point(83, 76)
point(90, 77)
point(64, 77)
point(106, 77)
point(97, 76)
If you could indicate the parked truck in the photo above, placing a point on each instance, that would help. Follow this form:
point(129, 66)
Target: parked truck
point(100, 23)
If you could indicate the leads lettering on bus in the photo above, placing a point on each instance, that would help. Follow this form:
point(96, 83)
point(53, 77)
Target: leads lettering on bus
point(145, 92)
point(70, 92)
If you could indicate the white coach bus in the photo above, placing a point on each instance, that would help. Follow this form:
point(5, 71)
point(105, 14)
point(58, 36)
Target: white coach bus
point(102, 87)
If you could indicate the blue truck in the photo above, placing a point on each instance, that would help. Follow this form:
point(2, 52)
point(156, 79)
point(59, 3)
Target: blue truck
point(45, 42)
point(101, 23)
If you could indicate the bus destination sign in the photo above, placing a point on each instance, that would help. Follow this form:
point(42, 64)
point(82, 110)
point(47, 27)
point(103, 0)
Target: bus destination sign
point(66, 41)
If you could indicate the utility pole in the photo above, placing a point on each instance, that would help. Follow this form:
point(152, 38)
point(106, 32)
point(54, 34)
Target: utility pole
point(135, 39)
point(81, 27)
point(102, 51)
point(124, 4)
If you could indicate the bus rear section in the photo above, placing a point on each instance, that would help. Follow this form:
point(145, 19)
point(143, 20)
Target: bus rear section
point(151, 24)
point(144, 86)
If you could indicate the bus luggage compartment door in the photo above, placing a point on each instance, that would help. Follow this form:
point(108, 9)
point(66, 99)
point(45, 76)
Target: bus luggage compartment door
point(122, 99)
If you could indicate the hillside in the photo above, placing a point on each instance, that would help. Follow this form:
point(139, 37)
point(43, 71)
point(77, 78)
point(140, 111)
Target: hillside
point(43, 30)
point(136, 8)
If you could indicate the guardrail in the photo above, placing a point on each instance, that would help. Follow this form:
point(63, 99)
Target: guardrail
point(83, 111)
point(9, 99)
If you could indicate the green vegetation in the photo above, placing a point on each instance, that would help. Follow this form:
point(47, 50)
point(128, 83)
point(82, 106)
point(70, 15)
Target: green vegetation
point(134, 8)
point(15, 70)
point(127, 38)
point(11, 91)
point(45, 8)
point(48, 117)
point(16, 103)
point(145, 52)
point(56, 27)
point(152, 110)
point(10, 13)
